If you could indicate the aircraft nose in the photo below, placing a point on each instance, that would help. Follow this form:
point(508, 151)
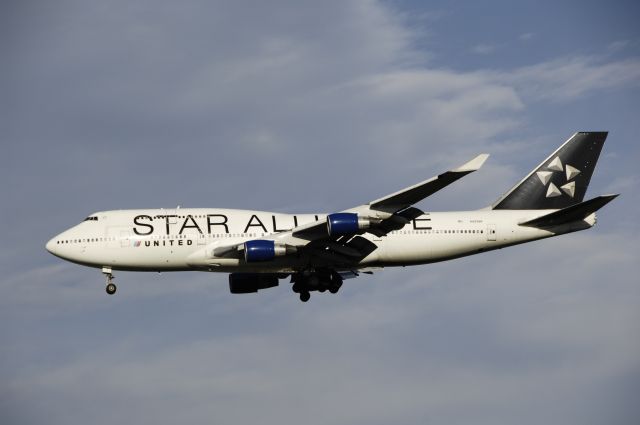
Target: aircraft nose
point(51, 246)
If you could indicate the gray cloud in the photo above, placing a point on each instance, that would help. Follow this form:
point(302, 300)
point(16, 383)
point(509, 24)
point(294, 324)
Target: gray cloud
point(299, 108)
point(570, 78)
point(423, 343)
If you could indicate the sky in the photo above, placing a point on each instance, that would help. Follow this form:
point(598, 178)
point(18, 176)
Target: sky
point(300, 107)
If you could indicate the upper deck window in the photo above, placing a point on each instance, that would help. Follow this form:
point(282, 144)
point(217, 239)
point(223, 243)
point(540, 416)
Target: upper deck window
point(91, 218)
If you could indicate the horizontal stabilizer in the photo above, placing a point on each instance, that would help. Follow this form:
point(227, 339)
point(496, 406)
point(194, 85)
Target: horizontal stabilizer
point(570, 214)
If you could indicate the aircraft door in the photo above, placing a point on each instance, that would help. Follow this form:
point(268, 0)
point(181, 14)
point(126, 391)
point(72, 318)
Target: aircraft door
point(125, 238)
point(118, 236)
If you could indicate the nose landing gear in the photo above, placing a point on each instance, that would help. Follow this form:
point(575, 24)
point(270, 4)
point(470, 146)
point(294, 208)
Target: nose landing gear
point(111, 287)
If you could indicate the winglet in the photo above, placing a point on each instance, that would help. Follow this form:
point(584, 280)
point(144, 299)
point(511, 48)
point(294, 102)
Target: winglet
point(472, 165)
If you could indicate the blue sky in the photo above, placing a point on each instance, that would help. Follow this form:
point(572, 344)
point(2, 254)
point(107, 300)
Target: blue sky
point(315, 107)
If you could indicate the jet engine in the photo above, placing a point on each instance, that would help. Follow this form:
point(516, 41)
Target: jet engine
point(346, 223)
point(261, 250)
point(245, 283)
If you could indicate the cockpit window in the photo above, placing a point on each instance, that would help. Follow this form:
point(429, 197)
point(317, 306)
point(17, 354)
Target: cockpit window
point(91, 218)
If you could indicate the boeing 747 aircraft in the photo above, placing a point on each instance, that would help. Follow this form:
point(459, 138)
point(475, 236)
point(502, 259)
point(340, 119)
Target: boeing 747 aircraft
point(318, 251)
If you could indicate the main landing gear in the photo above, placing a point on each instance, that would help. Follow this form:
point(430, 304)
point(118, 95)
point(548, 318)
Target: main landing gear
point(111, 287)
point(305, 296)
point(321, 281)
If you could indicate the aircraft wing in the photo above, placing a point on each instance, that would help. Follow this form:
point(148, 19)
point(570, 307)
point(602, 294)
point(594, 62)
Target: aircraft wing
point(406, 197)
point(385, 211)
point(378, 217)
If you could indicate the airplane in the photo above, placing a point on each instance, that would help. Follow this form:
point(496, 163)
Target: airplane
point(317, 252)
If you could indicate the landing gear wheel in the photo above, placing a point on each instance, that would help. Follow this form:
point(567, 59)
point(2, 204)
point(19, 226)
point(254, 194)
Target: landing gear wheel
point(334, 289)
point(111, 288)
point(304, 296)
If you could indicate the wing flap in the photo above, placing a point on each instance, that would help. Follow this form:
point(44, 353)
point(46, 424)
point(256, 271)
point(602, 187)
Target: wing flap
point(351, 274)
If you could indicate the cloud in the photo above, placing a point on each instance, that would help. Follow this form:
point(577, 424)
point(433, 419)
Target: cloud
point(618, 45)
point(456, 341)
point(339, 79)
point(294, 108)
point(484, 49)
point(527, 36)
point(565, 79)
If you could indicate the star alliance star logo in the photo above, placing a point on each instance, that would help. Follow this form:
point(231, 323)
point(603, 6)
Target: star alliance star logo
point(552, 190)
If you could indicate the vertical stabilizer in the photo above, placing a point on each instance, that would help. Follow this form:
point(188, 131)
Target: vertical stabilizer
point(561, 180)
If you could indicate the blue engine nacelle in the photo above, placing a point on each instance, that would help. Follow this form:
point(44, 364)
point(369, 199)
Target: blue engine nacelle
point(346, 223)
point(260, 250)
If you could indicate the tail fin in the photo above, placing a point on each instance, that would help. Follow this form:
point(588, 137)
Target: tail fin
point(561, 180)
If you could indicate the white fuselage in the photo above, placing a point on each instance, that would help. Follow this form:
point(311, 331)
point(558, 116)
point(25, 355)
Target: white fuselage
point(185, 239)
